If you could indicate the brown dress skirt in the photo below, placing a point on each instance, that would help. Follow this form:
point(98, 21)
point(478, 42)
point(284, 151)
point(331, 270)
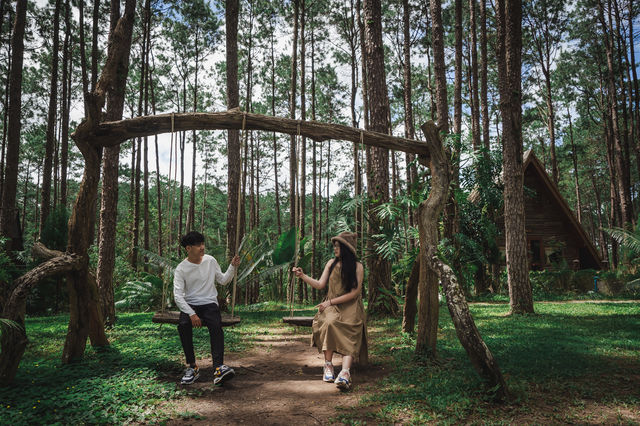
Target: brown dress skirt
point(341, 328)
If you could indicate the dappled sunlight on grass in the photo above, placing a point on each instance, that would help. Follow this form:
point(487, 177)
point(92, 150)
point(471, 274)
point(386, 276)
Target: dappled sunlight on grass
point(563, 349)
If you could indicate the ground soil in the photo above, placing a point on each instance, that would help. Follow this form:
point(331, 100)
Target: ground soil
point(277, 382)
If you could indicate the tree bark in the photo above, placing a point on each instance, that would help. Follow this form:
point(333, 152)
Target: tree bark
point(293, 164)
point(412, 170)
point(114, 132)
point(484, 101)
point(410, 307)
point(67, 77)
point(233, 141)
point(85, 315)
point(509, 16)
point(13, 340)
point(429, 211)
point(51, 121)
point(380, 300)
point(8, 208)
point(302, 196)
point(109, 204)
point(622, 172)
point(574, 157)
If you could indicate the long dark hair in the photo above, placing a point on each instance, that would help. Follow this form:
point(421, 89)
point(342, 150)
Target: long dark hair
point(348, 271)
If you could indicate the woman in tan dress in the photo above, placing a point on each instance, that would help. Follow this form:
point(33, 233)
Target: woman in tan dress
point(340, 324)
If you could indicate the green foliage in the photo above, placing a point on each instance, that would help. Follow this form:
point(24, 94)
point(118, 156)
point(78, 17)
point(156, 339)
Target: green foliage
point(285, 248)
point(629, 240)
point(8, 269)
point(54, 231)
point(479, 199)
point(140, 294)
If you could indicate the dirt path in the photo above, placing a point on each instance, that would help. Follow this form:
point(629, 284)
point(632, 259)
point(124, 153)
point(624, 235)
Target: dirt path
point(278, 382)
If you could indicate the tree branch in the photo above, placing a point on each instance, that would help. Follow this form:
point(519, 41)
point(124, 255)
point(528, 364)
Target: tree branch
point(115, 132)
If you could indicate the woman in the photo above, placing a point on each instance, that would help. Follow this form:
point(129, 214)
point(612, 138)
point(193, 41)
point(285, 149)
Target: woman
point(339, 326)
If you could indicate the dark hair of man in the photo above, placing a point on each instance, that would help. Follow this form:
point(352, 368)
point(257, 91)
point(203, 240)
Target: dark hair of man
point(348, 271)
point(193, 238)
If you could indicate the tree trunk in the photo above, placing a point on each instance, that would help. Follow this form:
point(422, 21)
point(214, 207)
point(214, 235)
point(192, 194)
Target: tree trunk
point(275, 139)
point(292, 114)
point(302, 289)
point(109, 207)
point(314, 191)
point(409, 127)
point(51, 120)
point(509, 16)
point(147, 73)
point(192, 199)
point(484, 102)
point(107, 230)
point(622, 172)
point(67, 77)
point(381, 300)
point(428, 282)
point(94, 45)
point(473, 72)
point(84, 312)
point(410, 307)
point(574, 157)
point(233, 141)
point(8, 208)
point(429, 211)
point(13, 340)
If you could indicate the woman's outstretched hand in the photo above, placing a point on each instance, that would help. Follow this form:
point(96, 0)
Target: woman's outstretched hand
point(322, 306)
point(297, 271)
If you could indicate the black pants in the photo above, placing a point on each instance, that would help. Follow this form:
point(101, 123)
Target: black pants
point(210, 317)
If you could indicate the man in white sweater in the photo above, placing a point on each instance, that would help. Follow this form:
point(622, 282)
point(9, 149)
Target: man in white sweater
point(195, 293)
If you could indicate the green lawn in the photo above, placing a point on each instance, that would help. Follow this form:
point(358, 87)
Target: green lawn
point(558, 350)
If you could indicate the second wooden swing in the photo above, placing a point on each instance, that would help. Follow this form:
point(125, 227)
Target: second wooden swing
point(173, 317)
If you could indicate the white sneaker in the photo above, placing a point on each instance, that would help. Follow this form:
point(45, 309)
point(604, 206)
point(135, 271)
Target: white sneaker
point(343, 382)
point(328, 373)
point(190, 376)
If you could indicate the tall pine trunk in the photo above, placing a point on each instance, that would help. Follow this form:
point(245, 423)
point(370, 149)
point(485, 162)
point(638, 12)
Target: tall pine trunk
point(8, 210)
point(380, 296)
point(509, 15)
point(51, 120)
point(233, 141)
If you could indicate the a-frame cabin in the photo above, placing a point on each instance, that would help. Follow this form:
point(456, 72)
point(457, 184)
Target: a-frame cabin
point(553, 231)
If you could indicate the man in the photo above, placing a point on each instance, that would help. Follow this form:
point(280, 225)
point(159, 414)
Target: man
point(195, 294)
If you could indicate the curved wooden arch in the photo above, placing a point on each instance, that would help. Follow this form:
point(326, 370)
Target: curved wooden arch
point(111, 133)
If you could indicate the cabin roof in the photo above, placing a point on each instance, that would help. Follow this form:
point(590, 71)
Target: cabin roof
point(531, 164)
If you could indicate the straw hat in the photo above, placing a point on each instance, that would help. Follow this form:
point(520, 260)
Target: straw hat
point(348, 239)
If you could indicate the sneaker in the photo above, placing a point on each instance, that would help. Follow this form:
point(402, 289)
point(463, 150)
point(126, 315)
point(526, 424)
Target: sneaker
point(343, 382)
point(328, 373)
point(222, 374)
point(190, 376)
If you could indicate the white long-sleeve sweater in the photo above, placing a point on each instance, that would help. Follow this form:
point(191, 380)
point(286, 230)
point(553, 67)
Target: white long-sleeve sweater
point(195, 283)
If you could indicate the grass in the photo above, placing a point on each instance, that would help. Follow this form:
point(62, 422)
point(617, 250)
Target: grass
point(559, 351)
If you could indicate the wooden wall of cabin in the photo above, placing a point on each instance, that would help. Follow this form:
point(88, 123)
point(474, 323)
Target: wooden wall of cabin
point(550, 235)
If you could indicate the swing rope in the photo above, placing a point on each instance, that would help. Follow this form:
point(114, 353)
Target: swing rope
point(238, 211)
point(297, 220)
point(170, 205)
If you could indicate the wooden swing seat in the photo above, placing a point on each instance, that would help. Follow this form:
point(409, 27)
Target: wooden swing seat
point(302, 321)
point(172, 317)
